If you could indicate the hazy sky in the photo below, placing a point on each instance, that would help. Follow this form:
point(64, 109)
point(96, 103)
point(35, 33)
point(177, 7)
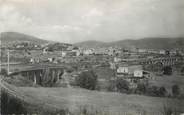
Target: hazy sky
point(105, 20)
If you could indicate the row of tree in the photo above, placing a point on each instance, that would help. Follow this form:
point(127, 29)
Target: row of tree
point(122, 86)
point(88, 80)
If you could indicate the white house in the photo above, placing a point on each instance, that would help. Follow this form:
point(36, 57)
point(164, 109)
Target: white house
point(63, 54)
point(31, 60)
point(135, 70)
point(116, 59)
point(88, 52)
point(45, 50)
point(138, 73)
point(122, 70)
point(163, 52)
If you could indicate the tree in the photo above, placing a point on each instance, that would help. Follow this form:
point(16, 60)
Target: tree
point(175, 90)
point(87, 79)
point(4, 72)
point(141, 88)
point(153, 91)
point(112, 85)
point(182, 70)
point(122, 85)
point(167, 70)
point(162, 91)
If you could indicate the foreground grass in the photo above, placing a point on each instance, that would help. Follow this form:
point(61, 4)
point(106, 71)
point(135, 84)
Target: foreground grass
point(75, 100)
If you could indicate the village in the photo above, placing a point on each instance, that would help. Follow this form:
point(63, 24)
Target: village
point(69, 68)
point(135, 66)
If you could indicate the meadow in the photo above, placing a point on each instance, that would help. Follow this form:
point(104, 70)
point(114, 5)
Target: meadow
point(73, 99)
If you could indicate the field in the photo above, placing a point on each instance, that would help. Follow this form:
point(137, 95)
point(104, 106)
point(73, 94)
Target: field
point(168, 81)
point(111, 103)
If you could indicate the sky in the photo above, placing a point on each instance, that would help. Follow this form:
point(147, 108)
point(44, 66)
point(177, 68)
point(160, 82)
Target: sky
point(74, 21)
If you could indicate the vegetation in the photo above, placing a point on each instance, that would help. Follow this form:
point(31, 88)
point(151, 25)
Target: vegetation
point(11, 105)
point(167, 70)
point(87, 79)
point(4, 72)
point(175, 90)
point(122, 86)
point(141, 88)
point(156, 91)
point(182, 70)
point(162, 91)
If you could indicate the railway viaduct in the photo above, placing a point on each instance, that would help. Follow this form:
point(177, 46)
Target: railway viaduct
point(42, 75)
point(164, 61)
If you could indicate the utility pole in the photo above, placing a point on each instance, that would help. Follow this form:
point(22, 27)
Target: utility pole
point(8, 61)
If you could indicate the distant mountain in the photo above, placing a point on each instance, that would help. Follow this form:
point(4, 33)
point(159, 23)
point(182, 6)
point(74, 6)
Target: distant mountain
point(91, 44)
point(151, 43)
point(12, 37)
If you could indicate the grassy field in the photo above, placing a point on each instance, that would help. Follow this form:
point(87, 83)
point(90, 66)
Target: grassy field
point(168, 81)
point(111, 103)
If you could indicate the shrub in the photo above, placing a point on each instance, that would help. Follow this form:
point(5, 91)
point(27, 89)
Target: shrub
point(167, 70)
point(182, 70)
point(153, 91)
point(11, 105)
point(162, 91)
point(122, 86)
point(87, 79)
point(69, 70)
point(4, 72)
point(112, 85)
point(141, 88)
point(175, 90)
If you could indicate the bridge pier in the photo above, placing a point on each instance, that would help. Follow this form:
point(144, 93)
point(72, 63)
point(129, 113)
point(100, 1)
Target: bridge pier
point(34, 77)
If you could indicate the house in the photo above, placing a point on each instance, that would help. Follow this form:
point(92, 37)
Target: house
point(153, 51)
point(173, 52)
point(116, 59)
point(31, 60)
point(72, 53)
point(162, 52)
point(88, 51)
point(45, 50)
point(101, 51)
point(63, 54)
point(133, 70)
point(77, 52)
point(132, 73)
point(122, 70)
point(141, 51)
point(138, 73)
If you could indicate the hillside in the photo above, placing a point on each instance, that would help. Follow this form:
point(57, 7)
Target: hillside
point(12, 37)
point(152, 43)
point(91, 44)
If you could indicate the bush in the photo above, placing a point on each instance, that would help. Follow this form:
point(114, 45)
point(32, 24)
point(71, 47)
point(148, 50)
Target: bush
point(182, 70)
point(112, 85)
point(153, 91)
point(162, 91)
point(87, 79)
point(11, 105)
point(157, 91)
point(175, 90)
point(141, 88)
point(4, 72)
point(122, 86)
point(167, 70)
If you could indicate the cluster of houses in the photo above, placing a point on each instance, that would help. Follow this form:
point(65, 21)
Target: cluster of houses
point(75, 51)
point(132, 66)
point(101, 51)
